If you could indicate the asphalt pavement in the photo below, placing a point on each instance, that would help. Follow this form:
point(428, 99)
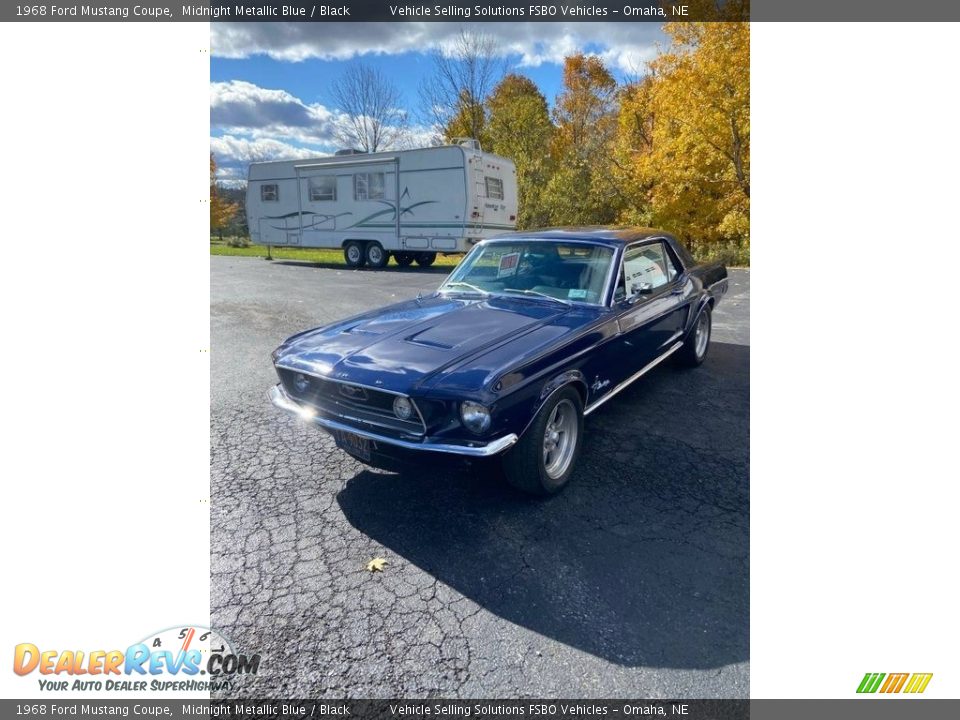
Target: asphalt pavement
point(633, 582)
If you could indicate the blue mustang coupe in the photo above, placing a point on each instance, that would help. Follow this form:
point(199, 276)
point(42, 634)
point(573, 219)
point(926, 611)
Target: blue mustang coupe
point(530, 333)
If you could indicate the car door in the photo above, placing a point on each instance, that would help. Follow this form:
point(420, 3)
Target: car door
point(649, 305)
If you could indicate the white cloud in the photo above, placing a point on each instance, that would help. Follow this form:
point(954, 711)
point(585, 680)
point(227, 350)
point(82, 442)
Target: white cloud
point(233, 154)
point(240, 107)
point(625, 46)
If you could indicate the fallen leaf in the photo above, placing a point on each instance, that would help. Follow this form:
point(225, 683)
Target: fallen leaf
point(376, 565)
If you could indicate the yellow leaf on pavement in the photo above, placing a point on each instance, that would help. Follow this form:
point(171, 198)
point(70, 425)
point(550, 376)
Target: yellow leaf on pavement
point(376, 565)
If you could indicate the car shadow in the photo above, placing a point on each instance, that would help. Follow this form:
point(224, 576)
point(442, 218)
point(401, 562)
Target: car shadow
point(413, 269)
point(642, 560)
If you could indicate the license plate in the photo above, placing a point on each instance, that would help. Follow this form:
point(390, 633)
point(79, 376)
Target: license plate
point(353, 444)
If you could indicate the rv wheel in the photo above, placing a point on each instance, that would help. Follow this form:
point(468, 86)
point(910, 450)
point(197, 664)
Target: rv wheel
point(377, 257)
point(353, 254)
point(403, 259)
point(426, 259)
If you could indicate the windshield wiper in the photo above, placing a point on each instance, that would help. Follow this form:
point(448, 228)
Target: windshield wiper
point(466, 285)
point(538, 294)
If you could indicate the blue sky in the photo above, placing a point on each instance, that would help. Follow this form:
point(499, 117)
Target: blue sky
point(270, 82)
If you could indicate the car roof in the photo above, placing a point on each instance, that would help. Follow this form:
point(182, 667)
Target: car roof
point(605, 235)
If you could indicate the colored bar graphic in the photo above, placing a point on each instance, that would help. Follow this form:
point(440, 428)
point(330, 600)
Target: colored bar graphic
point(918, 682)
point(894, 682)
point(915, 683)
point(870, 682)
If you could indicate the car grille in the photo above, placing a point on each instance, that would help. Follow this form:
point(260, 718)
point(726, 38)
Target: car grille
point(357, 405)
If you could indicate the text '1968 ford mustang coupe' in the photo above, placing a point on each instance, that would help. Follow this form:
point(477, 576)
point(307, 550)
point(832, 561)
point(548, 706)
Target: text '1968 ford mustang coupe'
point(530, 333)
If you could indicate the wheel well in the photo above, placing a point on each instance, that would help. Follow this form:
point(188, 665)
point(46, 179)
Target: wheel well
point(362, 243)
point(581, 387)
point(578, 384)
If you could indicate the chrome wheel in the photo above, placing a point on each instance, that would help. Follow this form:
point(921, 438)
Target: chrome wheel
point(354, 254)
point(375, 255)
point(560, 439)
point(702, 334)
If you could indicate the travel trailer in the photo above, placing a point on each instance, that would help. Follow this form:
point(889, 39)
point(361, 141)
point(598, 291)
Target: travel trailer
point(410, 204)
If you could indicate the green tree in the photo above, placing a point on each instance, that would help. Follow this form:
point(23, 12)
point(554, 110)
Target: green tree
point(468, 120)
point(519, 128)
point(581, 190)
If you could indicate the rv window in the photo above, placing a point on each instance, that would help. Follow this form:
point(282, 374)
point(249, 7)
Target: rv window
point(323, 188)
point(269, 193)
point(369, 186)
point(494, 188)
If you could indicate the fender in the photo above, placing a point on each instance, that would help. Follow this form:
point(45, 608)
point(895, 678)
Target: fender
point(551, 387)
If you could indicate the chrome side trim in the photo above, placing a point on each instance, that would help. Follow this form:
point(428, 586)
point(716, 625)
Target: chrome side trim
point(673, 337)
point(280, 399)
point(643, 371)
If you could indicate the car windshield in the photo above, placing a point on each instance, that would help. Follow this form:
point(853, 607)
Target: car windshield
point(563, 271)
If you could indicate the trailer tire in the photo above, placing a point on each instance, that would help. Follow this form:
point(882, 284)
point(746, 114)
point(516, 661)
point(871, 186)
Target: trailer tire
point(376, 256)
point(426, 259)
point(353, 254)
point(403, 259)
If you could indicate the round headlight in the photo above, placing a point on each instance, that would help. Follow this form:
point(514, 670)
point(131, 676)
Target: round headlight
point(300, 383)
point(475, 416)
point(403, 408)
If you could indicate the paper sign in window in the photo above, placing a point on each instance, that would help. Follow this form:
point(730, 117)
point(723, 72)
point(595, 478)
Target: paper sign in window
point(508, 265)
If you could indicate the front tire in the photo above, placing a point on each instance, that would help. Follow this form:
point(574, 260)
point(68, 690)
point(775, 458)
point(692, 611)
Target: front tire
point(426, 259)
point(353, 254)
point(377, 257)
point(542, 461)
point(695, 347)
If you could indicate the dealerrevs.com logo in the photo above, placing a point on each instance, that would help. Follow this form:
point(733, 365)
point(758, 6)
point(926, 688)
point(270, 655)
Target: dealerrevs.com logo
point(182, 659)
point(910, 683)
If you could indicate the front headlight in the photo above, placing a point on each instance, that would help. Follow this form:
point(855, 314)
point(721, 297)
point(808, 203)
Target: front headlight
point(402, 408)
point(300, 383)
point(475, 417)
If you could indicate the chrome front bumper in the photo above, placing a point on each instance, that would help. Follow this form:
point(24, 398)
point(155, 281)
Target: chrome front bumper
point(279, 397)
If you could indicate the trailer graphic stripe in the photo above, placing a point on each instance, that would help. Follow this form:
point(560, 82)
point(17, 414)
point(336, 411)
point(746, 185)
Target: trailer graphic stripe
point(392, 211)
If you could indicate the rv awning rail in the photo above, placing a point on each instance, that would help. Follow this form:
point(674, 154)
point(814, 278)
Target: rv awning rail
point(335, 163)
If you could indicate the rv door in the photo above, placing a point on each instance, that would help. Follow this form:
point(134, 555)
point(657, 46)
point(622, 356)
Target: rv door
point(479, 190)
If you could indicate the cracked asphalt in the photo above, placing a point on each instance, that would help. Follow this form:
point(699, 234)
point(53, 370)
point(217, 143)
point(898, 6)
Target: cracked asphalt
point(632, 582)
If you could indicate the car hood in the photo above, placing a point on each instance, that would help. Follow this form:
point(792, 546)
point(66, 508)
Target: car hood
point(404, 347)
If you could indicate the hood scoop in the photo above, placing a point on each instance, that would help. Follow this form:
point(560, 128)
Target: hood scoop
point(359, 330)
point(423, 339)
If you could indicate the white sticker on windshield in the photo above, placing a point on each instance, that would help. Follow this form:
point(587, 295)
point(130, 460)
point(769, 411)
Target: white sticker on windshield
point(576, 294)
point(508, 265)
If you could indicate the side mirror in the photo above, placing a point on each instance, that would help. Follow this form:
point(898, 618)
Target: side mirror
point(641, 288)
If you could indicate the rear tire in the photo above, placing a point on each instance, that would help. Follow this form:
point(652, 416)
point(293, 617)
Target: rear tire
point(426, 259)
point(376, 256)
point(695, 347)
point(353, 254)
point(542, 461)
point(403, 259)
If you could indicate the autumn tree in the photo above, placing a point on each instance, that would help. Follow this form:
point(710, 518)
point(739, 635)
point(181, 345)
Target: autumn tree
point(634, 141)
point(684, 137)
point(580, 190)
point(519, 128)
point(222, 212)
point(371, 107)
point(464, 73)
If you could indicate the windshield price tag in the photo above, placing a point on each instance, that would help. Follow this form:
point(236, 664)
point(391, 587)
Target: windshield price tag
point(508, 265)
